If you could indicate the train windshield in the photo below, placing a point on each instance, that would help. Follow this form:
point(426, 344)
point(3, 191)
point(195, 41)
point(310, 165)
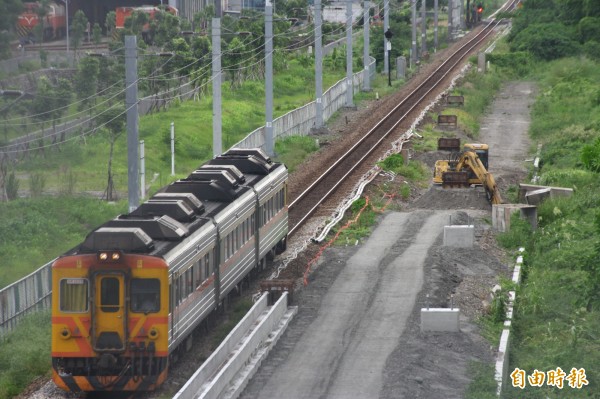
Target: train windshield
point(145, 295)
point(74, 295)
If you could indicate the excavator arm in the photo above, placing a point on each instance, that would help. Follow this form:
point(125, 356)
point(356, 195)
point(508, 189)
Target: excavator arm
point(470, 161)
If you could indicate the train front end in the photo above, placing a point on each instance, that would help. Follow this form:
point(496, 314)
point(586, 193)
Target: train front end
point(109, 322)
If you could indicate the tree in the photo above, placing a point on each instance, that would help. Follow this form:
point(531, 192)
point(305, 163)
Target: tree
point(86, 81)
point(164, 28)
point(9, 10)
point(110, 22)
point(78, 28)
point(97, 33)
point(112, 122)
point(41, 11)
point(202, 19)
point(233, 59)
point(64, 95)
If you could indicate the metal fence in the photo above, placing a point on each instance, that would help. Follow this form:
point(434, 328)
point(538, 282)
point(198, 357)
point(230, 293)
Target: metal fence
point(301, 120)
point(32, 292)
point(29, 294)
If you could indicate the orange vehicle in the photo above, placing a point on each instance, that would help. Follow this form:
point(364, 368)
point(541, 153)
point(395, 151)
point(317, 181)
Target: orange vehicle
point(124, 12)
point(54, 22)
point(128, 298)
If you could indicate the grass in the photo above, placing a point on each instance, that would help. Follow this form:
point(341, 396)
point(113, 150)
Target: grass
point(293, 150)
point(557, 313)
point(413, 171)
point(484, 385)
point(34, 231)
point(240, 309)
point(25, 354)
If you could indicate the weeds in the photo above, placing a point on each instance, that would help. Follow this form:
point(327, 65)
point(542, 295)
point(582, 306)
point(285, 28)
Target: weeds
point(24, 354)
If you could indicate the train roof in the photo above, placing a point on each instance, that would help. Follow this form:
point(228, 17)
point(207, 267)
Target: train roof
point(184, 206)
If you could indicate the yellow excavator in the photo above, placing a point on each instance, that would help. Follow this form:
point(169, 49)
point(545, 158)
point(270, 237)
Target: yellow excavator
point(468, 168)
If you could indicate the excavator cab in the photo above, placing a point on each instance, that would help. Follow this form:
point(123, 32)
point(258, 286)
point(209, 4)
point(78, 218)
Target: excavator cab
point(468, 168)
point(482, 151)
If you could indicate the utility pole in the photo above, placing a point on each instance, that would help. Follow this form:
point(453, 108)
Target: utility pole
point(450, 22)
point(216, 80)
point(318, 66)
point(172, 148)
point(413, 50)
point(269, 145)
point(218, 9)
point(131, 105)
point(388, 49)
point(386, 26)
point(468, 14)
point(423, 27)
point(349, 80)
point(366, 60)
point(142, 170)
point(435, 25)
point(67, 24)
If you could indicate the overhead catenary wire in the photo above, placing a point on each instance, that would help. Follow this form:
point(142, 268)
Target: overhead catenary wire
point(195, 88)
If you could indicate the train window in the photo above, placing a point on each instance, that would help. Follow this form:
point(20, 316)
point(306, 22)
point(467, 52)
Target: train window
point(74, 295)
point(198, 272)
point(206, 266)
point(109, 294)
point(145, 295)
point(187, 285)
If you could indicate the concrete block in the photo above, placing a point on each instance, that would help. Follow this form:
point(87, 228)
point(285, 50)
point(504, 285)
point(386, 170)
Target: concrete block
point(501, 214)
point(440, 319)
point(535, 197)
point(459, 236)
point(554, 191)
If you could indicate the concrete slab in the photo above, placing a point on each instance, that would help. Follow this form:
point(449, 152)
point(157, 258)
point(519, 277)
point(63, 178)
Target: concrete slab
point(536, 197)
point(461, 236)
point(501, 214)
point(554, 191)
point(440, 319)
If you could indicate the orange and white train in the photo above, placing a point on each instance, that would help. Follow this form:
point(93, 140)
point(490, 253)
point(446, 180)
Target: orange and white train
point(54, 22)
point(127, 299)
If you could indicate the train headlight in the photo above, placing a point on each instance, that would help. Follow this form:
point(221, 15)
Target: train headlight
point(153, 333)
point(65, 333)
point(109, 256)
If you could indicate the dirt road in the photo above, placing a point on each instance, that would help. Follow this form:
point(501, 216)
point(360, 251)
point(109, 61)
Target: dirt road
point(357, 333)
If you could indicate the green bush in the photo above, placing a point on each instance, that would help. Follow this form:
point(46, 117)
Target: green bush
point(547, 41)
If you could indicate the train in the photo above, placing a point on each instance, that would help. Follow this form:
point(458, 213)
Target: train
point(54, 23)
point(122, 13)
point(126, 300)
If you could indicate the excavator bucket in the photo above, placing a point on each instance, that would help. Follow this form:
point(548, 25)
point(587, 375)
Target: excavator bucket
point(452, 179)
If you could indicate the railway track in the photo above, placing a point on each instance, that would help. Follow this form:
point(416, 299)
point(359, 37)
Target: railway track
point(350, 165)
point(63, 47)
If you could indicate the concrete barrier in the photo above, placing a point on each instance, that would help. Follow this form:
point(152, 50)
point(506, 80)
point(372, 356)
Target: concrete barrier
point(440, 319)
point(501, 214)
point(218, 376)
point(554, 192)
point(502, 358)
point(459, 236)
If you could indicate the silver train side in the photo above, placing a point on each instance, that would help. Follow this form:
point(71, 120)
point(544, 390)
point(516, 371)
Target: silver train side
point(189, 246)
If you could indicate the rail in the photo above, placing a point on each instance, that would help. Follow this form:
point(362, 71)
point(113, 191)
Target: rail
point(306, 203)
point(32, 293)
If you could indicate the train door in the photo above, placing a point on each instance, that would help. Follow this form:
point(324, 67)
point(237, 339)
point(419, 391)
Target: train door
point(109, 328)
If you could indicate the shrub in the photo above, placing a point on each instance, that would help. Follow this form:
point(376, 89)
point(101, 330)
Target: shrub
point(546, 41)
